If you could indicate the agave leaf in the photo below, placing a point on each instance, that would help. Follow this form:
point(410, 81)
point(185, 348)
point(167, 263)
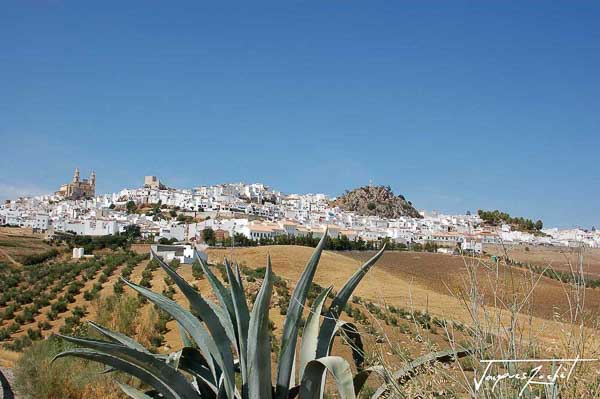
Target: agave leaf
point(407, 372)
point(361, 377)
point(217, 321)
point(189, 322)
point(132, 392)
point(259, 345)
point(118, 337)
point(339, 302)
point(242, 315)
point(351, 334)
point(289, 336)
point(312, 380)
point(185, 338)
point(6, 389)
point(310, 334)
point(169, 382)
point(190, 360)
point(238, 276)
point(218, 287)
point(412, 368)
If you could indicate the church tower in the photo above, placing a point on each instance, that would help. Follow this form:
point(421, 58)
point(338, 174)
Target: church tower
point(76, 176)
point(93, 180)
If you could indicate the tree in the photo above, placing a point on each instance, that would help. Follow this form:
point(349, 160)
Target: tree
point(208, 236)
point(133, 231)
point(131, 207)
point(539, 225)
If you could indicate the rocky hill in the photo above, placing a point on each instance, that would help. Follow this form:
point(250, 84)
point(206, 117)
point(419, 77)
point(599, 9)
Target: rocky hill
point(376, 200)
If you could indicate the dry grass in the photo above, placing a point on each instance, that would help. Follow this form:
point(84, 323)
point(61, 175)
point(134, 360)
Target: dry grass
point(448, 275)
point(497, 303)
point(16, 243)
point(558, 258)
point(388, 285)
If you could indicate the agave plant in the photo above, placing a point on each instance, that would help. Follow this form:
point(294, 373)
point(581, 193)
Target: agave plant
point(7, 392)
point(227, 338)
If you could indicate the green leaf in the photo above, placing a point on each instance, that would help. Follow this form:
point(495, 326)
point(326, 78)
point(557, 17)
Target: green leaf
point(310, 387)
point(189, 322)
point(289, 336)
point(310, 334)
point(259, 345)
point(191, 360)
point(216, 319)
point(361, 377)
point(118, 337)
point(159, 376)
point(185, 338)
point(407, 372)
point(219, 289)
point(242, 315)
point(132, 392)
point(350, 333)
point(6, 389)
point(338, 304)
point(412, 368)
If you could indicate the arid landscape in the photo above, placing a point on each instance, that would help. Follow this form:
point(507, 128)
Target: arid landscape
point(16, 244)
point(409, 304)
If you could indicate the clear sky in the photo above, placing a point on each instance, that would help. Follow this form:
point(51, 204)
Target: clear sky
point(456, 105)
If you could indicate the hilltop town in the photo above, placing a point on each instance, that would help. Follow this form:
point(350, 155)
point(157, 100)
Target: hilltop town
point(257, 212)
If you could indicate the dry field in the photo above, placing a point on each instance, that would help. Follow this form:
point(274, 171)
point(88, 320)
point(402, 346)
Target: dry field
point(448, 275)
point(434, 283)
point(15, 243)
point(558, 258)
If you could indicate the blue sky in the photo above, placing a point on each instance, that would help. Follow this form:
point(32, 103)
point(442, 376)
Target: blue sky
point(456, 105)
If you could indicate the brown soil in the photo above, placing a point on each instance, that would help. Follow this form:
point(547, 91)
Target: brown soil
point(558, 258)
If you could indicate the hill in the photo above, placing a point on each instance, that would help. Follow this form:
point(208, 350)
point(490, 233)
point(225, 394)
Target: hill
point(408, 305)
point(376, 201)
point(17, 244)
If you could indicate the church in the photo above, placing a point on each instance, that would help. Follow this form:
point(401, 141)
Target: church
point(78, 189)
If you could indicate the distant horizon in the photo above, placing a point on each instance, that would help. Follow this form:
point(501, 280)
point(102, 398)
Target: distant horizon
point(457, 106)
point(331, 195)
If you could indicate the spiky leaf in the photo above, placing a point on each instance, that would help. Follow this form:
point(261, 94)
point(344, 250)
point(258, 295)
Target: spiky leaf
point(339, 302)
point(291, 326)
point(164, 379)
point(310, 334)
point(310, 387)
point(259, 345)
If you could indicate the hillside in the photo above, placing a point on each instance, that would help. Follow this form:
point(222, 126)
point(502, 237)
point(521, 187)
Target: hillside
point(17, 244)
point(435, 283)
point(409, 304)
point(376, 201)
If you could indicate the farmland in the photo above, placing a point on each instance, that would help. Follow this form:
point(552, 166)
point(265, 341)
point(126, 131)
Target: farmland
point(408, 305)
point(17, 244)
point(559, 258)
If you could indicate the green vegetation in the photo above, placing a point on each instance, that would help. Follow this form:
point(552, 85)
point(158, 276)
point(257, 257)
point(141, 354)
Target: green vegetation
point(39, 258)
point(209, 331)
point(93, 243)
point(131, 207)
point(496, 218)
point(25, 291)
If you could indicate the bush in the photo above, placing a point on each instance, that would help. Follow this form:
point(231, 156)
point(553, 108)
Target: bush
point(39, 258)
point(65, 378)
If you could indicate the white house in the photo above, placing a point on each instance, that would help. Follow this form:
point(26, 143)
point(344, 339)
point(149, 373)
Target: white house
point(183, 253)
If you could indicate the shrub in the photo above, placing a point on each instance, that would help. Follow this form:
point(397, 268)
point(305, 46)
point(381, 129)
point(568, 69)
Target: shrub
point(35, 377)
point(39, 258)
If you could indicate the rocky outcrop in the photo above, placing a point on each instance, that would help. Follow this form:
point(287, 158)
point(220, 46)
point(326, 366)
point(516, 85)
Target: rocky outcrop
point(376, 201)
